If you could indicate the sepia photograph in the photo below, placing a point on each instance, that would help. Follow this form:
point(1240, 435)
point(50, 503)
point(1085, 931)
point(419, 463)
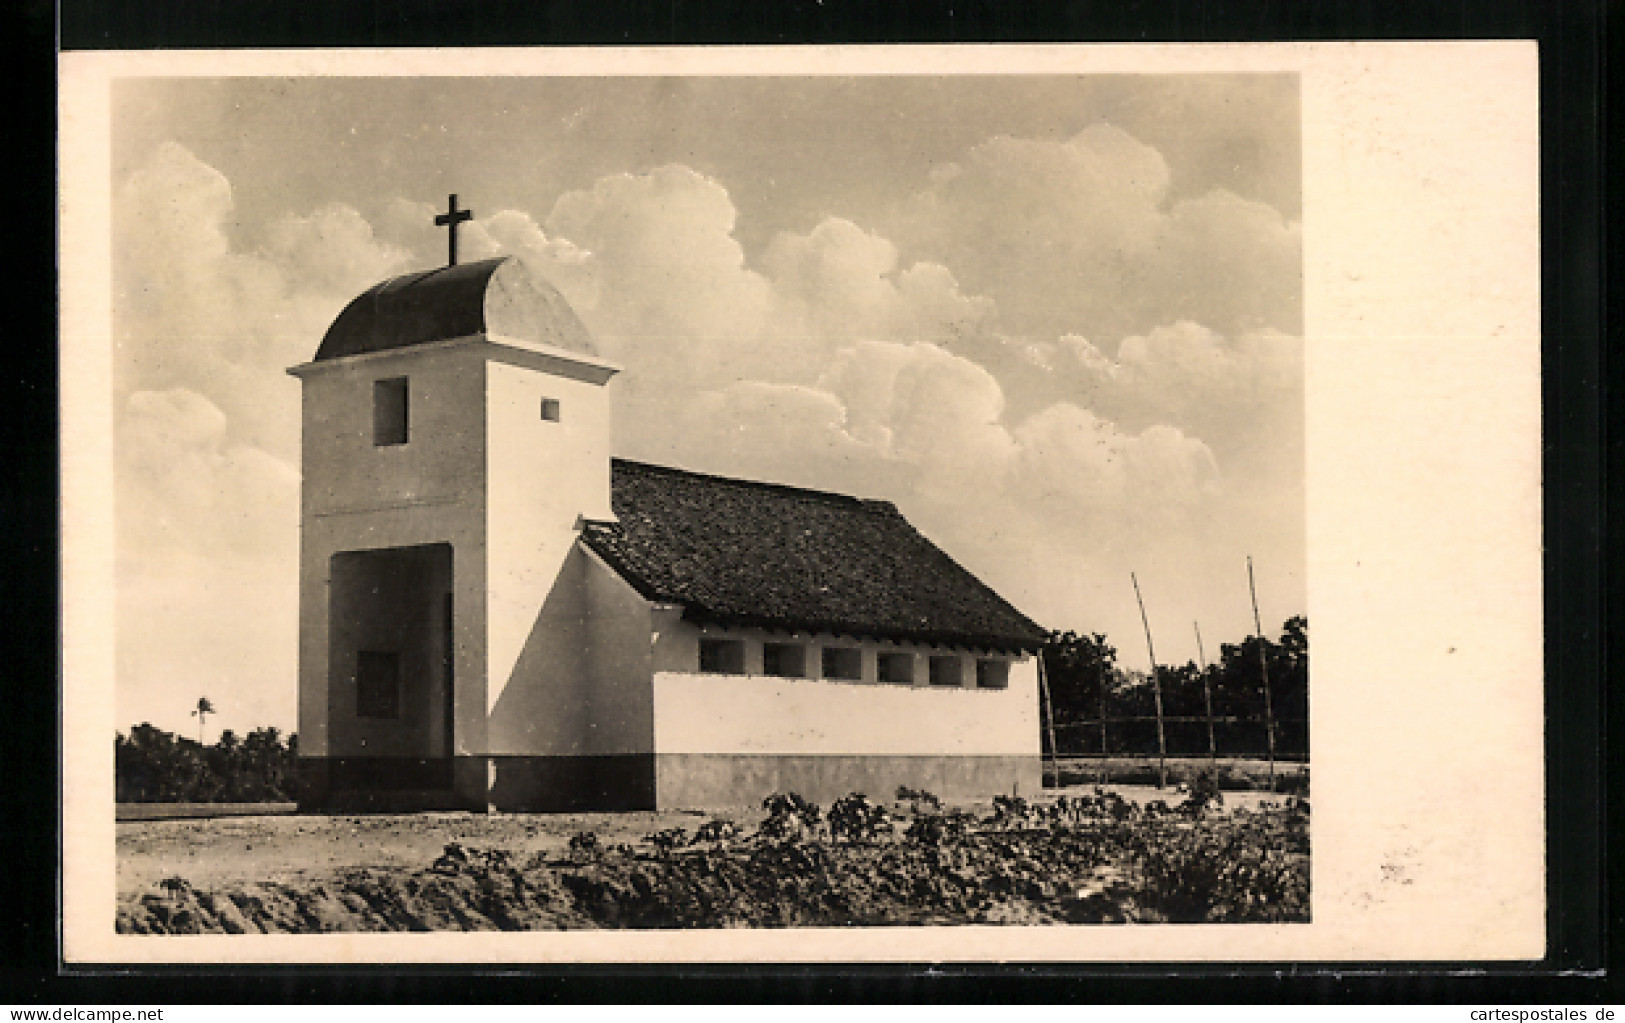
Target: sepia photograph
point(679, 501)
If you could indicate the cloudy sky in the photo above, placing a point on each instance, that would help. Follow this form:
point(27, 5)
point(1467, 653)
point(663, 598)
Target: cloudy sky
point(1056, 319)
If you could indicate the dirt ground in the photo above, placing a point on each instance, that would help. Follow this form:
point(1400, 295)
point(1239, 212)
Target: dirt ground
point(1138, 855)
point(284, 847)
point(210, 852)
point(1234, 774)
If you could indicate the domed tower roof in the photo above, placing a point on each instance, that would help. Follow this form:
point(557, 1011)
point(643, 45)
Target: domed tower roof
point(502, 297)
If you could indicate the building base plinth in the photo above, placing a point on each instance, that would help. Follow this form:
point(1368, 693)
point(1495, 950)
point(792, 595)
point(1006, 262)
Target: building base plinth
point(390, 784)
point(570, 784)
point(668, 781)
point(700, 780)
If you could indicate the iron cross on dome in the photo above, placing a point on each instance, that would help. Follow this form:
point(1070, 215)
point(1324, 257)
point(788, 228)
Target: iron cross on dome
point(451, 218)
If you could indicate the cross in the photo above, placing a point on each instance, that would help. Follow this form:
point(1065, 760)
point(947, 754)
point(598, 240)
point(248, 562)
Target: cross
point(451, 218)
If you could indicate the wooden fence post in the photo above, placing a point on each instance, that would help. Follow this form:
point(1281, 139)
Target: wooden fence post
point(1049, 723)
point(1156, 690)
point(1100, 776)
point(1263, 672)
point(1207, 697)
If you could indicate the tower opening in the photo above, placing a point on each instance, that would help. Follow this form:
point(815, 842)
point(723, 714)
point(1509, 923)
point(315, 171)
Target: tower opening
point(391, 681)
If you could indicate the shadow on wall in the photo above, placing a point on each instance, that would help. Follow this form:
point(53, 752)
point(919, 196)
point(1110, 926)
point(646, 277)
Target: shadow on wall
point(542, 709)
point(539, 724)
point(561, 784)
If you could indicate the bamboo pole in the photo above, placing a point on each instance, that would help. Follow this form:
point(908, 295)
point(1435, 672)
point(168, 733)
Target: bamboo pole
point(1207, 697)
point(1049, 721)
point(1156, 690)
point(1263, 671)
point(1100, 775)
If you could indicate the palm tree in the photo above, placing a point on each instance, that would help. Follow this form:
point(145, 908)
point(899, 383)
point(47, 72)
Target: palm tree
point(204, 709)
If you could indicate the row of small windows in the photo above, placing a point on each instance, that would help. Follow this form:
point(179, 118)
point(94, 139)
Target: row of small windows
point(378, 672)
point(789, 660)
point(392, 411)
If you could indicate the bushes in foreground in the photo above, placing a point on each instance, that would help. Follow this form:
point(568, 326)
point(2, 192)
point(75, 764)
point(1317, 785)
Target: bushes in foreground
point(1083, 859)
point(1090, 859)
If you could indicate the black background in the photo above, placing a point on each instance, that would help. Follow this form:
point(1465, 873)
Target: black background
point(1575, 136)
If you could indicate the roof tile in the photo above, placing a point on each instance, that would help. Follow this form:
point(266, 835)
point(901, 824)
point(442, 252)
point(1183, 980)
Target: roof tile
point(740, 552)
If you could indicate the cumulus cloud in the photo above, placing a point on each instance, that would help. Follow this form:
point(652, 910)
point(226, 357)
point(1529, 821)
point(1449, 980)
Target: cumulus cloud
point(753, 428)
point(663, 248)
point(834, 357)
point(936, 411)
point(1079, 236)
point(1242, 396)
point(1074, 461)
point(839, 281)
point(193, 311)
point(207, 430)
point(928, 429)
point(207, 433)
point(207, 534)
point(404, 224)
point(185, 488)
point(675, 298)
point(333, 249)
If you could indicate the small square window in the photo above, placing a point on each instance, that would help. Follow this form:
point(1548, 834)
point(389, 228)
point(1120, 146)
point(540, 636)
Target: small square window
point(895, 669)
point(550, 410)
point(377, 684)
point(843, 662)
point(722, 656)
point(945, 671)
point(992, 673)
point(389, 411)
point(786, 660)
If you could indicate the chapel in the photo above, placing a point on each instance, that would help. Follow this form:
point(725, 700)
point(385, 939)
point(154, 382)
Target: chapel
point(497, 613)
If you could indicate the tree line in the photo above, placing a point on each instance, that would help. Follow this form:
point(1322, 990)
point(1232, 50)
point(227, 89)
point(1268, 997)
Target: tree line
point(1085, 684)
point(155, 766)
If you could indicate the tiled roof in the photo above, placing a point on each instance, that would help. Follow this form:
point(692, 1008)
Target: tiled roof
point(737, 552)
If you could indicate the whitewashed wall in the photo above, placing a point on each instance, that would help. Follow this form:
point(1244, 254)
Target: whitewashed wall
point(359, 496)
point(542, 478)
point(763, 715)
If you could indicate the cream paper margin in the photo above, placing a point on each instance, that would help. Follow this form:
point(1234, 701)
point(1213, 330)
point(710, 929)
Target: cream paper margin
point(1422, 270)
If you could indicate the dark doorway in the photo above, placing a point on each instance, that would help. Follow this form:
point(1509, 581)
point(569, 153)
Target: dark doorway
point(449, 660)
point(391, 682)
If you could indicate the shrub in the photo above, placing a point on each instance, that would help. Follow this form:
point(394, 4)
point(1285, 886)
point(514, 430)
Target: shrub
point(1102, 805)
point(666, 841)
point(789, 817)
point(585, 847)
point(1243, 874)
point(1010, 811)
point(917, 798)
point(855, 818)
point(717, 829)
point(457, 858)
point(935, 829)
point(1203, 795)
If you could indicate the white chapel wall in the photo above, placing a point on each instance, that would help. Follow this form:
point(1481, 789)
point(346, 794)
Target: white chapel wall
point(543, 475)
point(757, 714)
point(443, 459)
point(619, 629)
point(754, 713)
point(357, 495)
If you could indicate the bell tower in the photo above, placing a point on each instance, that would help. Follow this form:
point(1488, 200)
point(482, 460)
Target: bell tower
point(455, 436)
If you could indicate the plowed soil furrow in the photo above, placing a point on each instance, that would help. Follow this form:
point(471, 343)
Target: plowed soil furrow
point(1152, 865)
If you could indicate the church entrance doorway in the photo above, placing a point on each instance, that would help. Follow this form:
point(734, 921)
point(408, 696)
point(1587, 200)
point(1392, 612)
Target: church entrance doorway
point(391, 657)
